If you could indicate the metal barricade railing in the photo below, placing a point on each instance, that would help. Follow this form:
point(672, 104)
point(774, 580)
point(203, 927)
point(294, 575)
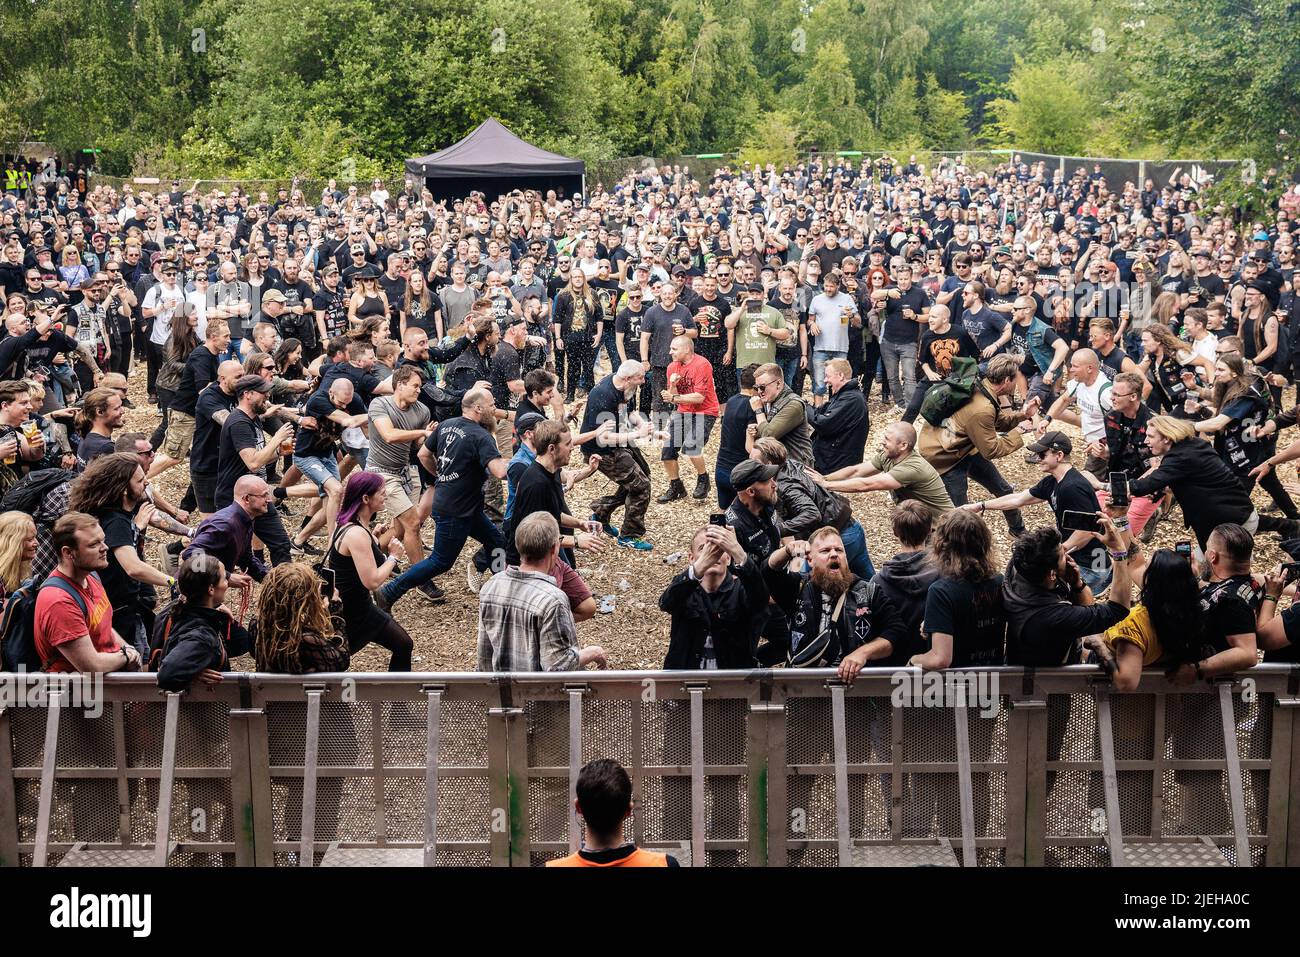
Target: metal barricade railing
point(994, 767)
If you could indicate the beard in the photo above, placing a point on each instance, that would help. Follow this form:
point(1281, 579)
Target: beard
point(833, 581)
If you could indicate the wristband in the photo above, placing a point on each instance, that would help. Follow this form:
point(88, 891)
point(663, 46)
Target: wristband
point(1121, 524)
point(1120, 556)
point(1269, 598)
point(1200, 675)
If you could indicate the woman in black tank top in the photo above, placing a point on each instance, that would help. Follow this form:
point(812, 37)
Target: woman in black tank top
point(367, 299)
point(360, 568)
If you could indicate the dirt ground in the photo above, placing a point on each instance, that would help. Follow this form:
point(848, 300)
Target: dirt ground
point(635, 634)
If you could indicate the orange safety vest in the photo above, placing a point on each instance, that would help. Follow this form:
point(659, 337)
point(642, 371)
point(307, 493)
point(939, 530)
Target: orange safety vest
point(637, 858)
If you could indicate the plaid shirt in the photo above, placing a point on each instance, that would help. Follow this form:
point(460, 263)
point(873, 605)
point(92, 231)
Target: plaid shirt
point(524, 624)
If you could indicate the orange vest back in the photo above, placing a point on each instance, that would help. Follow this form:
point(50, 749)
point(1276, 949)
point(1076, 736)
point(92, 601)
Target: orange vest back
point(637, 858)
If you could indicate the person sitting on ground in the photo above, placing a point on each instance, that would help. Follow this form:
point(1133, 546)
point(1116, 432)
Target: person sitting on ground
point(604, 801)
point(197, 636)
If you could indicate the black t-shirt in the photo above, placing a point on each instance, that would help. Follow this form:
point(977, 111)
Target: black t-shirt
point(200, 369)
point(972, 613)
point(659, 323)
point(1126, 441)
point(606, 402)
point(627, 324)
point(122, 590)
point(525, 407)
point(938, 349)
point(794, 317)
point(737, 416)
point(238, 432)
point(335, 307)
point(896, 327)
point(1229, 608)
point(92, 447)
point(538, 490)
point(709, 316)
point(1073, 493)
point(363, 383)
point(322, 441)
point(1019, 344)
point(43, 351)
point(507, 366)
point(207, 433)
point(463, 449)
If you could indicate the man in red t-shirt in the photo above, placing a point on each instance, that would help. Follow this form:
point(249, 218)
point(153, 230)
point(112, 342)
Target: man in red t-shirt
point(68, 639)
point(690, 387)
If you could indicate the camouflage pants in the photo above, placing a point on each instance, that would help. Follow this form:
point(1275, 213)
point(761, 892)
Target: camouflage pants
point(627, 468)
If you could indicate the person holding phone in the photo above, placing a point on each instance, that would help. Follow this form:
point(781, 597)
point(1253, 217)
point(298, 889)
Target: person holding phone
point(1066, 490)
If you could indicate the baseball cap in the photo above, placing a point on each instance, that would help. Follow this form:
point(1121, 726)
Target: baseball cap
point(528, 422)
point(273, 295)
point(748, 472)
point(1052, 442)
point(251, 383)
point(1260, 237)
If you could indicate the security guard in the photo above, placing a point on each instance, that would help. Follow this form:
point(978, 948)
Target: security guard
point(605, 801)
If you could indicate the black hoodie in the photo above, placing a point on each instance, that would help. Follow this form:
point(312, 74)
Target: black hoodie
point(198, 638)
point(906, 578)
point(1044, 628)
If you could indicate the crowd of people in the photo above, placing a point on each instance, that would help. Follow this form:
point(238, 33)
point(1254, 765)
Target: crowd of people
point(338, 375)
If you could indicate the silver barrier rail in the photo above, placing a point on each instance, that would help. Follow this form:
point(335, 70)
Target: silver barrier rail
point(992, 767)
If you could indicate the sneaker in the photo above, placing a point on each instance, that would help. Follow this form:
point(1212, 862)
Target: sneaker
point(701, 487)
point(607, 528)
point(674, 491)
point(171, 558)
point(473, 577)
point(306, 548)
point(283, 509)
point(1148, 533)
point(639, 544)
point(432, 592)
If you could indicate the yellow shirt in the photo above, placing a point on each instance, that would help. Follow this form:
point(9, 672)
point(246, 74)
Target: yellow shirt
point(1137, 628)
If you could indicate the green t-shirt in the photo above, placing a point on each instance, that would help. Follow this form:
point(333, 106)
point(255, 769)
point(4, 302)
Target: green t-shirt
point(918, 479)
point(751, 345)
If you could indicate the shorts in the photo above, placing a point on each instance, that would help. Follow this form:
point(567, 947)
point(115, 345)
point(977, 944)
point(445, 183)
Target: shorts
point(205, 491)
point(317, 469)
point(180, 435)
point(687, 432)
point(359, 454)
point(400, 489)
point(1140, 510)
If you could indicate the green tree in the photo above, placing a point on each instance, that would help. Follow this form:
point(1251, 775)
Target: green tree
point(1049, 110)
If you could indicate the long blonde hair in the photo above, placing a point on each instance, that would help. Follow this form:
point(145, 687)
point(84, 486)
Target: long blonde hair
point(16, 529)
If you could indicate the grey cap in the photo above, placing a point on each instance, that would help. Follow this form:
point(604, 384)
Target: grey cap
point(748, 472)
point(251, 383)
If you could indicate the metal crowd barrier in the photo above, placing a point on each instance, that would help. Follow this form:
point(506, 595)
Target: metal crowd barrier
point(1000, 767)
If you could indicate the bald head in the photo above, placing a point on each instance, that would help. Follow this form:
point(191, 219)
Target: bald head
point(681, 348)
point(228, 374)
point(252, 494)
point(341, 390)
point(898, 441)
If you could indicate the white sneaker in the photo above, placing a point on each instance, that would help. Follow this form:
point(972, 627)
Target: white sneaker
point(473, 577)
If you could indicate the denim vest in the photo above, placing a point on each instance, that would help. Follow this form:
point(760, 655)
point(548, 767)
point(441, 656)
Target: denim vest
point(1041, 353)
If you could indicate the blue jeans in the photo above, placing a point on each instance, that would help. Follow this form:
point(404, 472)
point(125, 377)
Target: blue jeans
point(449, 539)
point(233, 351)
point(789, 366)
point(722, 483)
point(900, 369)
point(1098, 581)
point(855, 549)
point(819, 359)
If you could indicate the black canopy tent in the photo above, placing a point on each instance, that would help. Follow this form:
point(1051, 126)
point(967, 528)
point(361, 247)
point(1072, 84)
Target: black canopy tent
point(493, 160)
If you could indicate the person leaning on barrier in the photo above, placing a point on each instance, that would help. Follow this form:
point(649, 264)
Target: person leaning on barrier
point(965, 623)
point(906, 578)
point(524, 619)
point(836, 619)
point(1166, 626)
point(291, 631)
point(197, 636)
point(711, 604)
point(68, 638)
point(604, 801)
point(1049, 606)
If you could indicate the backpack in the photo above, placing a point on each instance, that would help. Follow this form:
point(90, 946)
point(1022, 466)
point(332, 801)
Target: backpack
point(946, 397)
point(18, 623)
point(28, 493)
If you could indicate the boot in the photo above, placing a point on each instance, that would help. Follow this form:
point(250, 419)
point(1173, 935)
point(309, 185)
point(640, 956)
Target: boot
point(701, 486)
point(674, 491)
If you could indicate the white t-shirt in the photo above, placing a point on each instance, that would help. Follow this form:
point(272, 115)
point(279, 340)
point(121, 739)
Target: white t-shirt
point(1206, 347)
point(1094, 402)
point(170, 300)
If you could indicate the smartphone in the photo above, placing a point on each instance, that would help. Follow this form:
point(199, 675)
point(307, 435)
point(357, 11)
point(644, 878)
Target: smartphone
point(718, 518)
point(1119, 489)
point(1290, 572)
point(1184, 549)
point(1080, 522)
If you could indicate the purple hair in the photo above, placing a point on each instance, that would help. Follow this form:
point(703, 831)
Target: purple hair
point(359, 485)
